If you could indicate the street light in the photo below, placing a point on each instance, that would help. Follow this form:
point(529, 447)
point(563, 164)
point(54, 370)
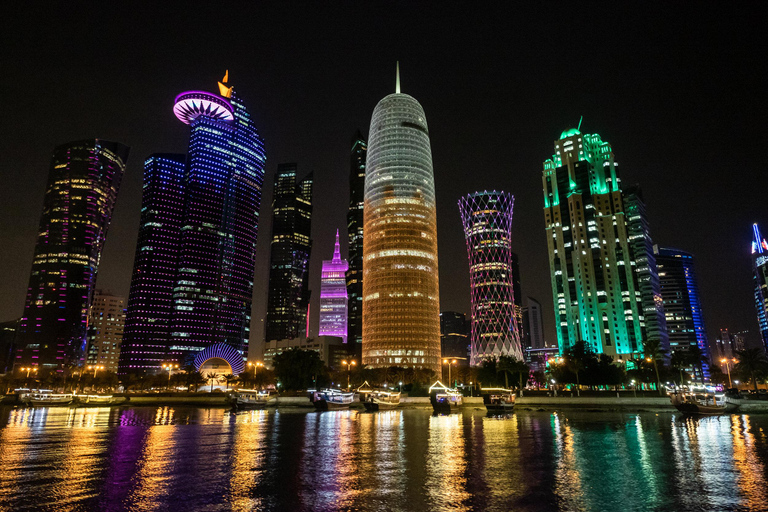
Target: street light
point(554, 388)
point(255, 366)
point(170, 368)
point(728, 369)
point(95, 369)
point(29, 369)
point(449, 362)
point(348, 364)
point(635, 388)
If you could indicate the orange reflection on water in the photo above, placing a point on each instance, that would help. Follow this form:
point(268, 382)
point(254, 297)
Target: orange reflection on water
point(446, 464)
point(501, 464)
point(249, 459)
point(752, 484)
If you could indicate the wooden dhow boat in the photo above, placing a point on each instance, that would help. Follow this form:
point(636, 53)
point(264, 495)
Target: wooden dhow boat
point(100, 400)
point(444, 400)
point(244, 399)
point(498, 399)
point(381, 400)
point(332, 399)
point(698, 404)
point(47, 399)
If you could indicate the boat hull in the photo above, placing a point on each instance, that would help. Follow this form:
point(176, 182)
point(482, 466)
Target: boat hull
point(692, 409)
point(379, 406)
point(444, 408)
point(50, 403)
point(499, 407)
point(324, 405)
point(248, 406)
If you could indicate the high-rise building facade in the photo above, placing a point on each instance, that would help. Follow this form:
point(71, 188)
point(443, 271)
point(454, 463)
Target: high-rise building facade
point(288, 297)
point(682, 302)
point(200, 218)
point(533, 325)
point(517, 294)
point(727, 345)
point(401, 303)
point(760, 277)
point(333, 295)
point(83, 182)
point(105, 330)
point(454, 336)
point(487, 220)
point(645, 266)
point(355, 233)
point(8, 344)
point(594, 288)
point(156, 265)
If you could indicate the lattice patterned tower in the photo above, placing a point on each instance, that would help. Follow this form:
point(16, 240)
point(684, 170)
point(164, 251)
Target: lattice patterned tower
point(333, 295)
point(760, 274)
point(487, 220)
point(401, 307)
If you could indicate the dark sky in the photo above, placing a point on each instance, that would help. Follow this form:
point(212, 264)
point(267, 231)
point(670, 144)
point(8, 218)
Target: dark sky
point(678, 90)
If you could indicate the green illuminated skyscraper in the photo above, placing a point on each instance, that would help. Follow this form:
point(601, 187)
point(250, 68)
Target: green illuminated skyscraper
point(594, 284)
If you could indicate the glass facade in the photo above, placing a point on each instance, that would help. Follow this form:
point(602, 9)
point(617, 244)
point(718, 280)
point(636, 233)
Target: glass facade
point(333, 295)
point(760, 276)
point(355, 233)
point(192, 284)
point(105, 330)
point(487, 220)
point(682, 303)
point(83, 182)
point(594, 286)
point(401, 308)
point(288, 298)
point(454, 336)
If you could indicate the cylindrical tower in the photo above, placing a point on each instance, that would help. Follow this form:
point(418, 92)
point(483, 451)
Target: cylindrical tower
point(401, 309)
point(487, 220)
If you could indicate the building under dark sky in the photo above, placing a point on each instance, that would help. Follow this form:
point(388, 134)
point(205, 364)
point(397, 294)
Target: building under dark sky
point(291, 248)
point(355, 240)
point(83, 183)
point(679, 91)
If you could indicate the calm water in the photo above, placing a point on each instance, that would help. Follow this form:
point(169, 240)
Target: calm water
point(209, 459)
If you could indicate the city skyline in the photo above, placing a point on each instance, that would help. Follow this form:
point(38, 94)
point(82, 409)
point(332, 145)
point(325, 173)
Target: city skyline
point(673, 158)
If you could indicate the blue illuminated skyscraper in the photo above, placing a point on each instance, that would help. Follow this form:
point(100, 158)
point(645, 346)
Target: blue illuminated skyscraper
point(682, 303)
point(760, 275)
point(83, 182)
point(200, 222)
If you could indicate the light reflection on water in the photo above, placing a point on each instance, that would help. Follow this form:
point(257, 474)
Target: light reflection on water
point(209, 459)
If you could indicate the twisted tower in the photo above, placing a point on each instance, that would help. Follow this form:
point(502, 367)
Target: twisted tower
point(487, 220)
point(401, 310)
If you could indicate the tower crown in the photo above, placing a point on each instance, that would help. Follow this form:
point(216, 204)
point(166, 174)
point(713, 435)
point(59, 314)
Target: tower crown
point(759, 245)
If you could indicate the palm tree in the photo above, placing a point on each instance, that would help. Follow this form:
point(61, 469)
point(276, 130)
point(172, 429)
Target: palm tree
point(653, 351)
point(506, 364)
point(679, 362)
point(212, 377)
point(752, 364)
point(575, 365)
point(229, 377)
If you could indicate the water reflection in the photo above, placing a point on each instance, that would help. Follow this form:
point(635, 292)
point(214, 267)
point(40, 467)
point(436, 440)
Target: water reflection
point(208, 459)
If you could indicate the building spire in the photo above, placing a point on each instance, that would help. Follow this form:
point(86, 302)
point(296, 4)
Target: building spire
point(397, 78)
point(336, 250)
point(759, 244)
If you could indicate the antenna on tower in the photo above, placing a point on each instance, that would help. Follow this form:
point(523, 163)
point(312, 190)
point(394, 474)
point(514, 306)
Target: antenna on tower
point(397, 78)
point(580, 120)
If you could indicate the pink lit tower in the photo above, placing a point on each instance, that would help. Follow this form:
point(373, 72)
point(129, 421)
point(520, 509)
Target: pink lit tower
point(487, 220)
point(333, 296)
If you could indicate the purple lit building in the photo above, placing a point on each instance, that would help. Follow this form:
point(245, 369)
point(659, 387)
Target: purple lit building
point(487, 220)
point(333, 296)
point(192, 284)
point(83, 182)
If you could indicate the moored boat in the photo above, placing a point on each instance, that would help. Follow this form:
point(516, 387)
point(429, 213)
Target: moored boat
point(381, 400)
point(698, 404)
point(243, 399)
point(100, 400)
point(444, 400)
point(498, 399)
point(45, 399)
point(332, 399)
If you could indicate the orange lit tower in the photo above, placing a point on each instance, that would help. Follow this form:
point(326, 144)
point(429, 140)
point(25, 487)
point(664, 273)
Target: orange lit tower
point(401, 310)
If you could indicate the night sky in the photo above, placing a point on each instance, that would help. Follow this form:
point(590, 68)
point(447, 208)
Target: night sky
point(678, 90)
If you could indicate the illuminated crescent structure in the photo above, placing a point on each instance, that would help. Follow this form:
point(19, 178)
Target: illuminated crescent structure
point(191, 104)
point(221, 351)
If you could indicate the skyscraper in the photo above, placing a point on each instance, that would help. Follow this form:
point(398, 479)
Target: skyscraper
point(156, 265)
point(682, 303)
point(645, 266)
point(333, 295)
point(105, 330)
point(454, 336)
point(533, 325)
point(193, 295)
point(401, 308)
point(487, 220)
point(760, 276)
point(596, 299)
point(355, 233)
point(288, 297)
point(83, 182)
point(517, 294)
